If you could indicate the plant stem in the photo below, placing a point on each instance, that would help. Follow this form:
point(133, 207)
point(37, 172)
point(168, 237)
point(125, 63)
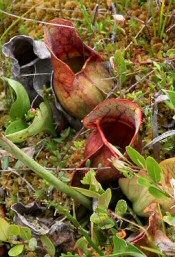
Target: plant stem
point(166, 18)
point(38, 169)
point(77, 225)
point(154, 18)
point(161, 17)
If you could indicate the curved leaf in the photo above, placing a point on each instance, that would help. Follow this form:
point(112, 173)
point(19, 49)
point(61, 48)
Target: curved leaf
point(4, 226)
point(171, 95)
point(43, 122)
point(13, 231)
point(22, 103)
point(136, 157)
point(137, 194)
point(16, 126)
point(16, 250)
point(154, 169)
point(157, 193)
point(48, 245)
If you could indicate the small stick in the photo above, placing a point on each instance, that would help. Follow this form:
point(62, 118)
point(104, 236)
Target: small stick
point(143, 78)
point(60, 169)
point(156, 147)
point(61, 11)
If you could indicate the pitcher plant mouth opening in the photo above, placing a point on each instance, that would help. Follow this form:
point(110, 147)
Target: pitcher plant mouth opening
point(66, 44)
point(81, 77)
point(116, 132)
point(115, 123)
point(23, 51)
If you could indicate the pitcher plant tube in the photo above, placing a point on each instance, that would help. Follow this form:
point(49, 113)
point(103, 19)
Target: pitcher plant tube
point(81, 76)
point(115, 124)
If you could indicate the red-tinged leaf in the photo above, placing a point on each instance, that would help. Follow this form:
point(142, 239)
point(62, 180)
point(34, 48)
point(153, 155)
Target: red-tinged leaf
point(2, 212)
point(155, 224)
point(156, 231)
point(81, 79)
point(115, 123)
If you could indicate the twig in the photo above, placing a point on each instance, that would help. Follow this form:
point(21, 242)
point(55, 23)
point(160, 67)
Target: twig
point(60, 169)
point(94, 21)
point(35, 74)
point(114, 33)
point(137, 35)
point(95, 14)
point(37, 21)
point(114, 215)
point(25, 180)
point(156, 147)
point(143, 78)
point(170, 28)
point(159, 138)
point(61, 11)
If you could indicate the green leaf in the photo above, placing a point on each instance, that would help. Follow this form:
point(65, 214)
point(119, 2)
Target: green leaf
point(121, 64)
point(127, 254)
point(16, 250)
point(82, 244)
point(154, 169)
point(156, 192)
point(157, 66)
point(88, 163)
point(152, 250)
point(122, 248)
point(102, 219)
point(16, 126)
point(4, 226)
point(110, 223)
point(170, 219)
point(91, 180)
point(22, 104)
point(87, 192)
point(143, 181)
point(43, 122)
point(123, 167)
point(136, 157)
point(25, 233)
point(99, 218)
point(121, 207)
point(171, 95)
point(5, 163)
point(104, 199)
point(33, 244)
point(48, 245)
point(135, 251)
point(171, 52)
point(13, 231)
point(120, 245)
